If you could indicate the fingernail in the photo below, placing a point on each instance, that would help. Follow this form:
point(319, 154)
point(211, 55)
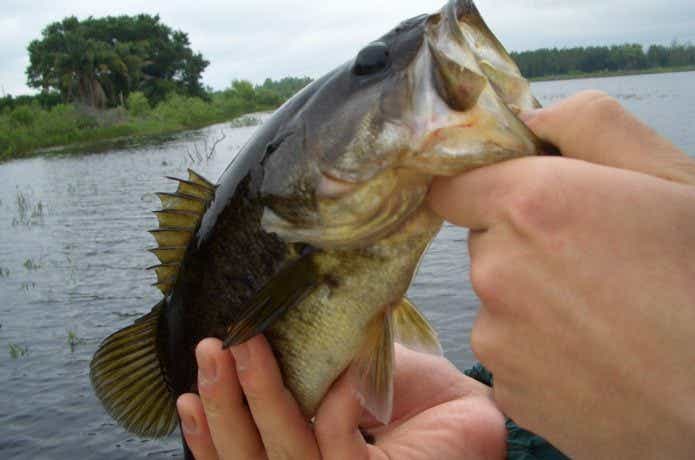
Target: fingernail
point(241, 356)
point(528, 115)
point(207, 368)
point(189, 424)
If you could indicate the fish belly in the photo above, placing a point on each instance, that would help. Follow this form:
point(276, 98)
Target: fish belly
point(318, 339)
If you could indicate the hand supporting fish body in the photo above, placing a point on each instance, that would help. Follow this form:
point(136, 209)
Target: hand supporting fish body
point(314, 232)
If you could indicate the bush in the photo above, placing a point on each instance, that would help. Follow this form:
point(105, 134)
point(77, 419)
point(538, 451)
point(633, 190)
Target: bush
point(137, 104)
point(185, 111)
point(26, 124)
point(23, 116)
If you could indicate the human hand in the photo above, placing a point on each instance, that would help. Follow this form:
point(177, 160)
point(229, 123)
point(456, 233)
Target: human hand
point(438, 412)
point(585, 266)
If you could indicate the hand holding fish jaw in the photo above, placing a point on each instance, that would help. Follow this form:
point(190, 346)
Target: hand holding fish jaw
point(438, 412)
point(584, 268)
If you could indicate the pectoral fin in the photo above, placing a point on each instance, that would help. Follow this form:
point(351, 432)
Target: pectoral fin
point(287, 288)
point(375, 366)
point(411, 329)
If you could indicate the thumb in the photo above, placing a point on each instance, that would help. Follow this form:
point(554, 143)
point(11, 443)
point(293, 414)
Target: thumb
point(594, 127)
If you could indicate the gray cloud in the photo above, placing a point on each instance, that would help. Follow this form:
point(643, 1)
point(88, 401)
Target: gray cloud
point(276, 38)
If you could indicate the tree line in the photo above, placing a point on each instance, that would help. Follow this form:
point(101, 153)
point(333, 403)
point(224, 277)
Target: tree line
point(628, 57)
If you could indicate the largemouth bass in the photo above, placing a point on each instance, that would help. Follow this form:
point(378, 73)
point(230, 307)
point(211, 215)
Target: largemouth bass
point(314, 232)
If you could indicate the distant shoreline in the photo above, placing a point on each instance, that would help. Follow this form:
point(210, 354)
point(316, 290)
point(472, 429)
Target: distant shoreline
point(113, 137)
point(617, 73)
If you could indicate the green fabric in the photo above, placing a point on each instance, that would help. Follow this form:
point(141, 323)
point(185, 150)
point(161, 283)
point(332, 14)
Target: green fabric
point(521, 444)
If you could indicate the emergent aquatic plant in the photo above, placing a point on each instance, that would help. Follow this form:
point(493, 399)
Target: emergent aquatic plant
point(74, 340)
point(17, 351)
point(31, 264)
point(28, 212)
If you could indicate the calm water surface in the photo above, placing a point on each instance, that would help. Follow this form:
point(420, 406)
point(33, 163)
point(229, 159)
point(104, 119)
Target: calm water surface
point(72, 259)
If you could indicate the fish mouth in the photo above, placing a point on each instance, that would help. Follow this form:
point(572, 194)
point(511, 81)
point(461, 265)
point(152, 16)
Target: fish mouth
point(352, 215)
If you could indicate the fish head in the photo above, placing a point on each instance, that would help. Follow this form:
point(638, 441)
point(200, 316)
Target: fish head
point(437, 95)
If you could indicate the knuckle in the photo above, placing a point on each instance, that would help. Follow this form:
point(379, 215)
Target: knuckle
point(604, 106)
point(253, 385)
point(485, 279)
point(213, 407)
point(261, 392)
point(482, 344)
point(589, 95)
point(528, 209)
point(538, 207)
point(543, 119)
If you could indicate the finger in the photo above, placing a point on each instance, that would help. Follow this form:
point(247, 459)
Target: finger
point(281, 424)
point(232, 428)
point(476, 199)
point(337, 421)
point(594, 127)
point(195, 428)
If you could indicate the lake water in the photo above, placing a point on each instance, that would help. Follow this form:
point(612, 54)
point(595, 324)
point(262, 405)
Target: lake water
point(72, 259)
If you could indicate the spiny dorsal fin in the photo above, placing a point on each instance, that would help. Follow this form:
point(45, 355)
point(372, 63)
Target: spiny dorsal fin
point(165, 271)
point(128, 379)
point(182, 202)
point(165, 285)
point(193, 189)
point(374, 362)
point(200, 180)
point(172, 236)
point(411, 329)
point(179, 218)
point(168, 255)
point(175, 218)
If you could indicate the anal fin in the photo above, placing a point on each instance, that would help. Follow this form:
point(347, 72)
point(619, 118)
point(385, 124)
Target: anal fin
point(375, 363)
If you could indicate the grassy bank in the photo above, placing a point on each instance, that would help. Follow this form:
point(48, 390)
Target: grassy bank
point(618, 73)
point(28, 129)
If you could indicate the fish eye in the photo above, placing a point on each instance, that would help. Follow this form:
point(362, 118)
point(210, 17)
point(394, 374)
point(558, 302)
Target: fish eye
point(372, 59)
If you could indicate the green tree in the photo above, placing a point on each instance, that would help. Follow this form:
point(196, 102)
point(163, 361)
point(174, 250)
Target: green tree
point(100, 61)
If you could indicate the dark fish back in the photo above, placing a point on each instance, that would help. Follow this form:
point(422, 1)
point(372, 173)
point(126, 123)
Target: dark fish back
point(230, 257)
point(219, 275)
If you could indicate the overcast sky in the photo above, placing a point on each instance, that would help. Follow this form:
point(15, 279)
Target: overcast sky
point(255, 39)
